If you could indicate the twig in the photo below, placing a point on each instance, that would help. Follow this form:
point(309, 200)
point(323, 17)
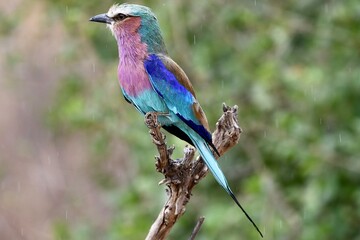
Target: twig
point(197, 228)
point(181, 175)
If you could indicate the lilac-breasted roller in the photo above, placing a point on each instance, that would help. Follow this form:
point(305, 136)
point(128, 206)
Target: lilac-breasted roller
point(153, 82)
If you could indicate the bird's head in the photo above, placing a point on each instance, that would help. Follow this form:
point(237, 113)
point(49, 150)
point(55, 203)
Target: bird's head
point(128, 19)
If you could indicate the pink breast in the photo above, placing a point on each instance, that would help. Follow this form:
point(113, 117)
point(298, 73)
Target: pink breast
point(133, 79)
point(132, 75)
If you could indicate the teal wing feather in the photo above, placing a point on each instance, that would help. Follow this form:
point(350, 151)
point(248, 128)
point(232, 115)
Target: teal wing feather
point(171, 83)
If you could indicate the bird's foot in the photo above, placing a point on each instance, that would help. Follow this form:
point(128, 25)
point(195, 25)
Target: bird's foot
point(152, 118)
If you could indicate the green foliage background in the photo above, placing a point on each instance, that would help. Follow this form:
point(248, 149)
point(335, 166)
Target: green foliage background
point(292, 67)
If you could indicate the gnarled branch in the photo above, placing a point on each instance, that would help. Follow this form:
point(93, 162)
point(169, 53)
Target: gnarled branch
point(181, 175)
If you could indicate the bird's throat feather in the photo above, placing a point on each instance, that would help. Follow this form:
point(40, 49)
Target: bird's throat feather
point(132, 53)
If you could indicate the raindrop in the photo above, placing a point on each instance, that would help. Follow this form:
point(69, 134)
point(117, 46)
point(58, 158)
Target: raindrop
point(340, 137)
point(280, 224)
point(66, 214)
point(255, 2)
point(320, 121)
point(194, 39)
point(93, 67)
point(265, 134)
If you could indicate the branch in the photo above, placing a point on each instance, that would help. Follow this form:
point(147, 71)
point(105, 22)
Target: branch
point(197, 228)
point(181, 175)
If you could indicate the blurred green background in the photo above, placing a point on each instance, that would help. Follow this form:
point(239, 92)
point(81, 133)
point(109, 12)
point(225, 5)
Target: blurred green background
point(76, 161)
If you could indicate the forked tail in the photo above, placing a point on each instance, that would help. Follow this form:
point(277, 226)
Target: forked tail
point(212, 164)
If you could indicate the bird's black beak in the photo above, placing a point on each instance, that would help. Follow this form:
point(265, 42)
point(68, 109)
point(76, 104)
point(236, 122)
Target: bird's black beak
point(101, 18)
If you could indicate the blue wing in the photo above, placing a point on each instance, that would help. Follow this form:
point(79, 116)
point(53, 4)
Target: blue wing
point(178, 96)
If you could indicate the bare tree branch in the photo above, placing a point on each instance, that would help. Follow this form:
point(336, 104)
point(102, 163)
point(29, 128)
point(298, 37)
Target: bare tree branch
point(181, 175)
point(197, 228)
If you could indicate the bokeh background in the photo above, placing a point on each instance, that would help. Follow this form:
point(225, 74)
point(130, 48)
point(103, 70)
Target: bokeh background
point(76, 161)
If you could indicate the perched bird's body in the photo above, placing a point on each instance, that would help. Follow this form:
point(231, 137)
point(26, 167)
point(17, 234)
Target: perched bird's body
point(153, 82)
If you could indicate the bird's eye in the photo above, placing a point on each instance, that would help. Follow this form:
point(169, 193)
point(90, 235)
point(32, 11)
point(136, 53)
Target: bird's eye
point(120, 17)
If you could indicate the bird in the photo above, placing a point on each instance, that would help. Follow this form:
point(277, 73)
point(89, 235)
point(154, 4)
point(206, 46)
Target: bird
point(152, 82)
